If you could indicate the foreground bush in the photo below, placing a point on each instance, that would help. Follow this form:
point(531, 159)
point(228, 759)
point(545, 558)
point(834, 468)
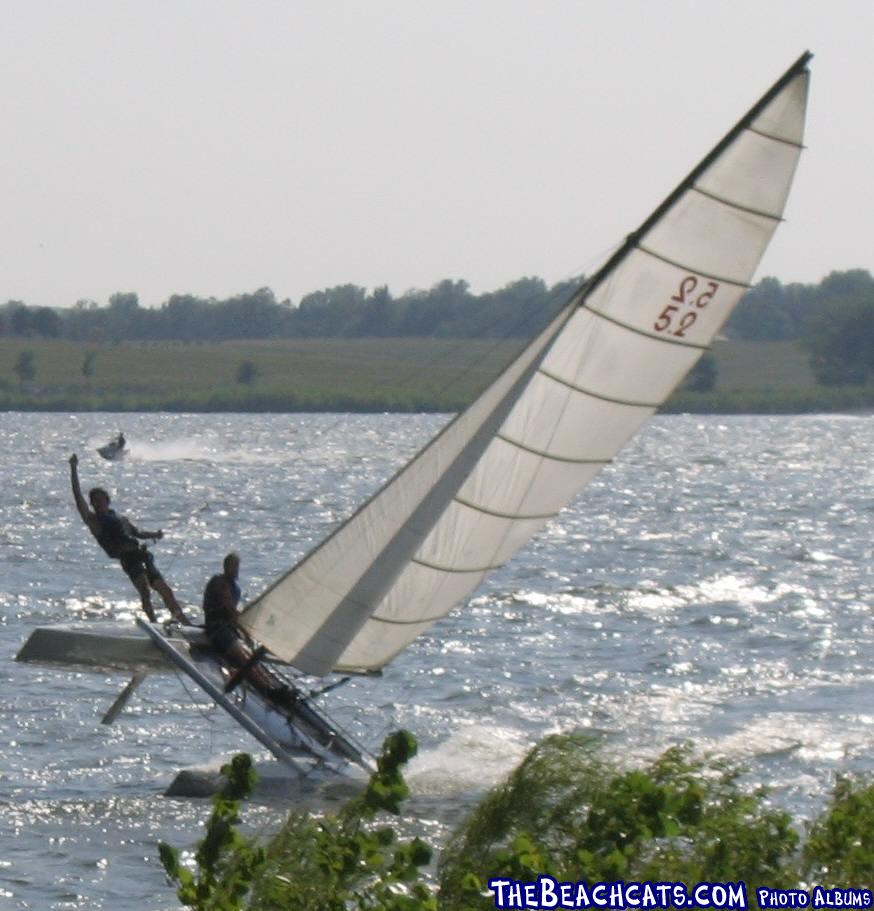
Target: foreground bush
point(567, 811)
point(312, 864)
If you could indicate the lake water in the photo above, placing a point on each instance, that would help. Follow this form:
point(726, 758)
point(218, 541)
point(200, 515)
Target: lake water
point(713, 585)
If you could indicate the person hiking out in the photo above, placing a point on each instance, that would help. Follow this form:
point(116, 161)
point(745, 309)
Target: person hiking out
point(120, 539)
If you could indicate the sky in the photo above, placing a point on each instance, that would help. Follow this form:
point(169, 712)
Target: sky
point(214, 147)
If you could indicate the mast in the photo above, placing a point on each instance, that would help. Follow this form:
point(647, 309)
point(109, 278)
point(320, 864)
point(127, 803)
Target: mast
point(632, 240)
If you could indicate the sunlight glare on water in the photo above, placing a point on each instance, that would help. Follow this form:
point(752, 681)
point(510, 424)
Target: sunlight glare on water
point(714, 585)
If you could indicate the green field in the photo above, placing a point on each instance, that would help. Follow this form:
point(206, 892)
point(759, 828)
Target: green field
point(312, 374)
point(356, 375)
point(748, 366)
point(769, 378)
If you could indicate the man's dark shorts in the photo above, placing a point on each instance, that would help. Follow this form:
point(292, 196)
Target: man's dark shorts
point(139, 561)
point(224, 637)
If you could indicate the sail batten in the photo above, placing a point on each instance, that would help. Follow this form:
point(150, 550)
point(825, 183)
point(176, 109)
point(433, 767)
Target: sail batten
point(629, 327)
point(789, 142)
point(599, 395)
point(426, 620)
point(722, 279)
point(734, 205)
point(558, 413)
point(462, 570)
point(505, 515)
point(554, 457)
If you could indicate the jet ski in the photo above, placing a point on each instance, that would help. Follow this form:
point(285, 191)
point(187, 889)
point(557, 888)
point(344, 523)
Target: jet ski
point(114, 449)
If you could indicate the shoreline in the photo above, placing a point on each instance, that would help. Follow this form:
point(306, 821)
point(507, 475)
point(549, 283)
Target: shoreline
point(367, 376)
point(411, 400)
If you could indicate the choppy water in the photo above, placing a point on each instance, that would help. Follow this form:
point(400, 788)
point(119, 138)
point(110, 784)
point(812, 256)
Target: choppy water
point(713, 585)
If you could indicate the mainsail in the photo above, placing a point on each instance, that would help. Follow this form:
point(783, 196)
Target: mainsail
point(559, 412)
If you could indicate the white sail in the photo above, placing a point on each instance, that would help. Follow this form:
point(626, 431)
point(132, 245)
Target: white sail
point(560, 411)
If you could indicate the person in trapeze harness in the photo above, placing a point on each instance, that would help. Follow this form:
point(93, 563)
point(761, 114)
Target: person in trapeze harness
point(120, 539)
point(220, 599)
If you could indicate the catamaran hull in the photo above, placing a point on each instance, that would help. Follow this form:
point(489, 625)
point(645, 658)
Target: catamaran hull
point(290, 732)
point(93, 648)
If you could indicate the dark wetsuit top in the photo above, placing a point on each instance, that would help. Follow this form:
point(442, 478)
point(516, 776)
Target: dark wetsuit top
point(112, 534)
point(220, 599)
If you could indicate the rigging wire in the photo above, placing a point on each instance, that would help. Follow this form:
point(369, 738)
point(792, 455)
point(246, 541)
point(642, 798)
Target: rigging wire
point(208, 713)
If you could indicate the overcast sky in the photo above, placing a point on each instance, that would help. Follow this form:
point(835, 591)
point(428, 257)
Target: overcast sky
point(214, 147)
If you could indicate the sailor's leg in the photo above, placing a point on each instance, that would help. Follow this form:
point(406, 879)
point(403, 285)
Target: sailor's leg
point(169, 599)
point(156, 580)
point(141, 583)
point(134, 564)
point(236, 652)
point(247, 664)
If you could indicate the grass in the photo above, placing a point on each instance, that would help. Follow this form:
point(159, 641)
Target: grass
point(357, 375)
point(748, 366)
point(310, 364)
point(367, 374)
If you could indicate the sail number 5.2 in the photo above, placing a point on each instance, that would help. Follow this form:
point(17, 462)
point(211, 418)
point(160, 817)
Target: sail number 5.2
point(682, 311)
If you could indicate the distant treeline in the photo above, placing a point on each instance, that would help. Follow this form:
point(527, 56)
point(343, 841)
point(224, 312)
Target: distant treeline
point(834, 319)
point(447, 310)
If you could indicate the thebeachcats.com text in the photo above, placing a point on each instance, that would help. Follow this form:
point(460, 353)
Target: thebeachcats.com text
point(547, 894)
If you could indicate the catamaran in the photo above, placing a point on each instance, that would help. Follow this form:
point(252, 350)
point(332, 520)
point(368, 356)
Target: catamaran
point(504, 467)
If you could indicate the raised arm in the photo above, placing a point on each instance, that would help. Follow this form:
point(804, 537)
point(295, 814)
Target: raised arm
point(81, 504)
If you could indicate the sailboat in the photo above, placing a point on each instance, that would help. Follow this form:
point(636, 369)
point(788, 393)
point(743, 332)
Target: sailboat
point(508, 464)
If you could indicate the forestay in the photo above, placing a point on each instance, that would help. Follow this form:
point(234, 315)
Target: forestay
point(540, 432)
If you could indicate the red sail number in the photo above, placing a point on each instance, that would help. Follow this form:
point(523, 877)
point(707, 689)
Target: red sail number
point(673, 322)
